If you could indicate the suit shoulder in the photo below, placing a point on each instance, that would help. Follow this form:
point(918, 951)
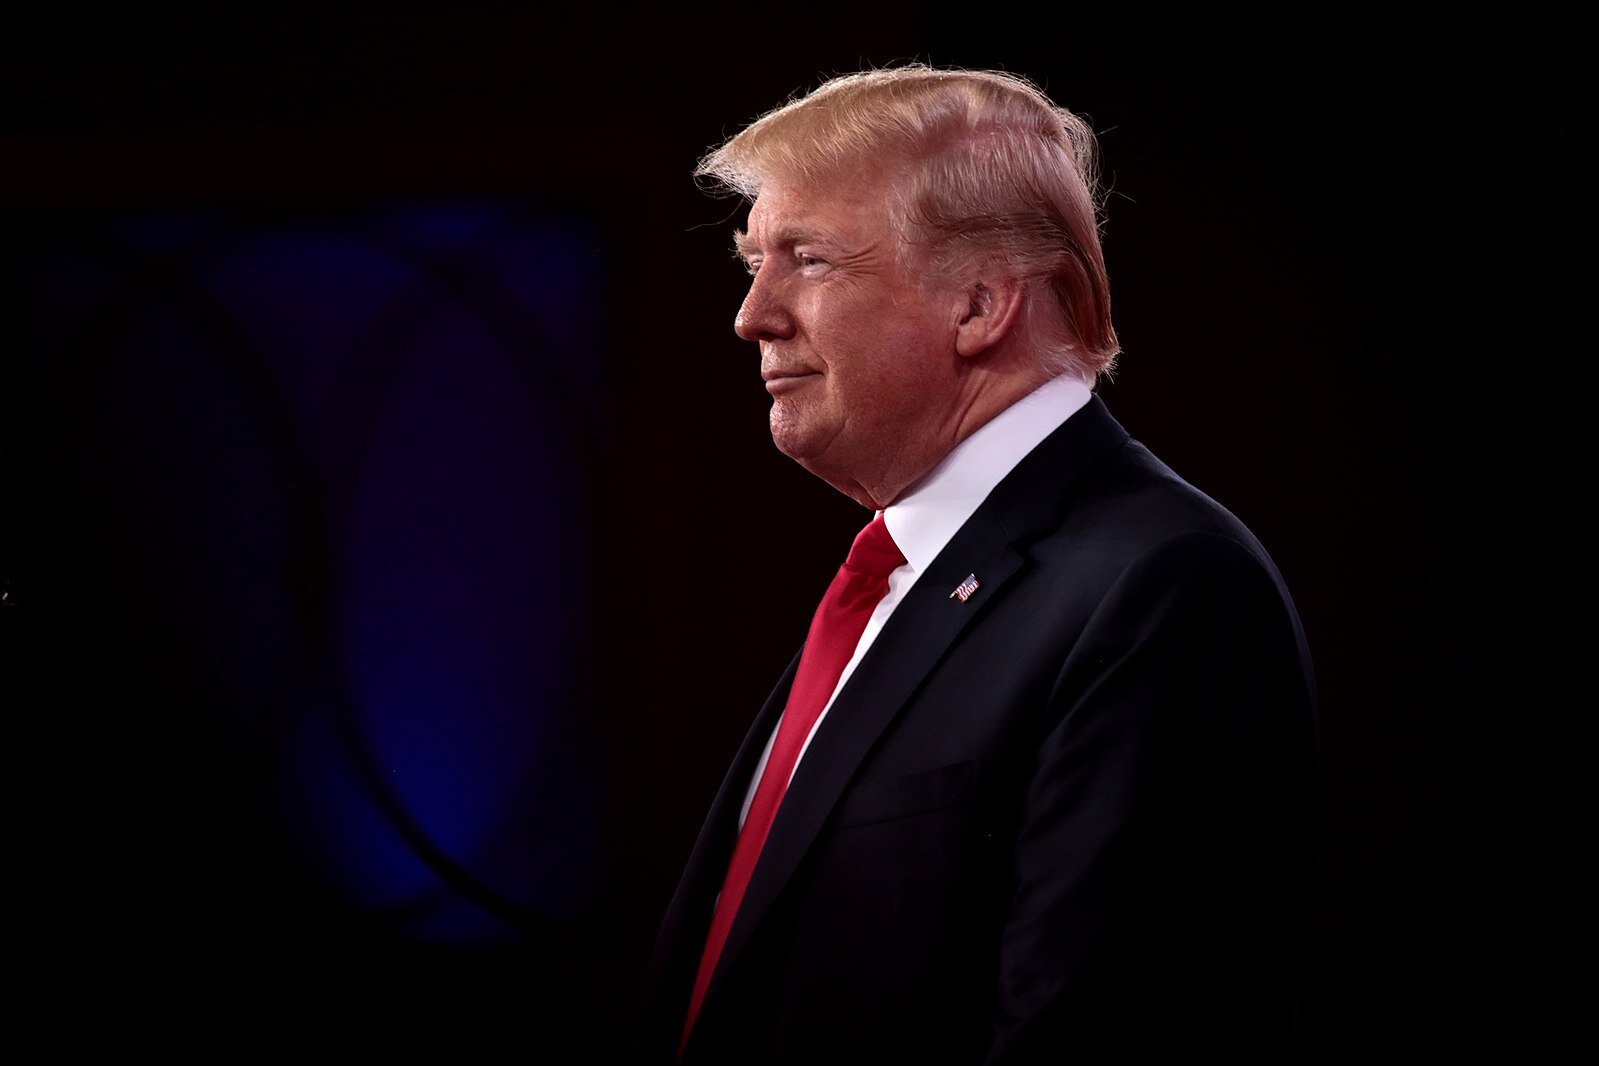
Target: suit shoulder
point(1133, 498)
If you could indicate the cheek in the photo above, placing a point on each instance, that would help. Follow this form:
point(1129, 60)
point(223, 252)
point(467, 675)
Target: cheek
point(870, 343)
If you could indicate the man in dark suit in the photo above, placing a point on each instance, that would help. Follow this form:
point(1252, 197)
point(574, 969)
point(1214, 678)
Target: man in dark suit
point(1038, 788)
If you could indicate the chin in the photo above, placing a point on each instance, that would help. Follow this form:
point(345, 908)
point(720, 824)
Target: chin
point(793, 437)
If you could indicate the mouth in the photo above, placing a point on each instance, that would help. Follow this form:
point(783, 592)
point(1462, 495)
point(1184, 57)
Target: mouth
point(783, 380)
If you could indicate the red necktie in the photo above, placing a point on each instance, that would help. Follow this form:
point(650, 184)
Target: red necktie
point(840, 619)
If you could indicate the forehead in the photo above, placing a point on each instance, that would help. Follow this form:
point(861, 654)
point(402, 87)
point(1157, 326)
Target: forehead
point(847, 211)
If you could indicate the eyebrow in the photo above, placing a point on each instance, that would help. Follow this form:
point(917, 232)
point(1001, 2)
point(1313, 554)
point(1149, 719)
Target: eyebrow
point(746, 247)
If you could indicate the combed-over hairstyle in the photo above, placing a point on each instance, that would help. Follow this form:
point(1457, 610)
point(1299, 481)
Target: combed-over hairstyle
point(994, 173)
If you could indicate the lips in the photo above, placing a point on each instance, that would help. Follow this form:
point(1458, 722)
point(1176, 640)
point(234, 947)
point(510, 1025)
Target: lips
point(779, 379)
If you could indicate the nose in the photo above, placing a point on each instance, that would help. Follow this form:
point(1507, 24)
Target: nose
point(764, 315)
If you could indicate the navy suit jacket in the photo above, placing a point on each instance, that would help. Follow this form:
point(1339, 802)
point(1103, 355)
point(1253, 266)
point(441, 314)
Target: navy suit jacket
point(1068, 819)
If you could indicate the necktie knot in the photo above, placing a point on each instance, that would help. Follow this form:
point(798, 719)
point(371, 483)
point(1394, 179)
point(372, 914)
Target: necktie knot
point(874, 552)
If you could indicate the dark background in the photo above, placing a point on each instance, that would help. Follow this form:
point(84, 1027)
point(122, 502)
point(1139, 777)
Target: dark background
point(526, 545)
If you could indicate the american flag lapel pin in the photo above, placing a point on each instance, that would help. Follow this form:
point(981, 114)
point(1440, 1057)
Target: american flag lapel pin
point(964, 590)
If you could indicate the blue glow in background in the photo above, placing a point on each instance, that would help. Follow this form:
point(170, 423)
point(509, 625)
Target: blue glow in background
point(346, 444)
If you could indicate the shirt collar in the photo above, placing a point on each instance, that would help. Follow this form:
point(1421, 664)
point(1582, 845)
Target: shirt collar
point(924, 519)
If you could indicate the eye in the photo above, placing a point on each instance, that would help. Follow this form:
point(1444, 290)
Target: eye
point(809, 263)
point(752, 266)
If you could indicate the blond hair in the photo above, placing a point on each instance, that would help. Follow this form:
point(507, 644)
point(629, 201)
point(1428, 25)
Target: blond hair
point(995, 173)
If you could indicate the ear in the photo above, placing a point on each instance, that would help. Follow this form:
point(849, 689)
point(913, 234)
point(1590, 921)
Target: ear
point(993, 304)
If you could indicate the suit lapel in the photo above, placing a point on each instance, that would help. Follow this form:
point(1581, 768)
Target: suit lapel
point(917, 635)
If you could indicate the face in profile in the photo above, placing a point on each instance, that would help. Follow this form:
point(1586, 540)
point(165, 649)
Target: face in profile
point(857, 346)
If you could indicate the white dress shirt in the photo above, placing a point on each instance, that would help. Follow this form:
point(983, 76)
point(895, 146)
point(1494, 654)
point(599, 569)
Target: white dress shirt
point(924, 519)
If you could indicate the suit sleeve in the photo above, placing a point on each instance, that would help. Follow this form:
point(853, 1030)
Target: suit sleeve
point(1158, 873)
